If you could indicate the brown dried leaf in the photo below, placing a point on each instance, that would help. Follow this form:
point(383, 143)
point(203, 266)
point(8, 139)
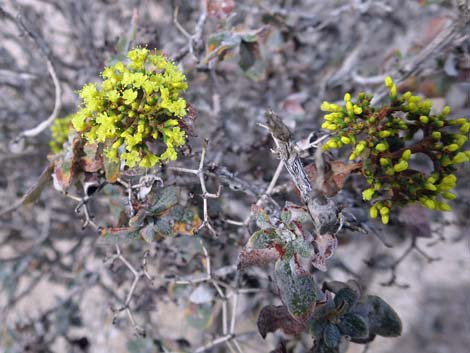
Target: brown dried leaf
point(189, 224)
point(66, 166)
point(335, 177)
point(92, 160)
point(271, 318)
point(325, 246)
point(257, 257)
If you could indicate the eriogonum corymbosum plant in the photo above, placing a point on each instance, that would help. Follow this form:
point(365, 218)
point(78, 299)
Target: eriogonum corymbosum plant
point(387, 139)
point(138, 102)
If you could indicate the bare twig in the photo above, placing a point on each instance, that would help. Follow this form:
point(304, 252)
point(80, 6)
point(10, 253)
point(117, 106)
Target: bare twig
point(52, 72)
point(205, 194)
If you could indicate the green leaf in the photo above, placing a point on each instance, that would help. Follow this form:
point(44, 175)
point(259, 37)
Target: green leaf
point(295, 213)
point(296, 286)
point(166, 198)
point(141, 345)
point(320, 318)
point(148, 233)
point(353, 326)
point(111, 170)
point(383, 320)
point(317, 326)
point(164, 226)
point(303, 248)
point(251, 60)
point(222, 41)
point(261, 218)
point(262, 239)
point(331, 335)
point(138, 220)
point(91, 160)
point(346, 297)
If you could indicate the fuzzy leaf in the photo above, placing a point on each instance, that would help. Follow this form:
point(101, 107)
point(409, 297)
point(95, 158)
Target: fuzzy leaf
point(272, 318)
point(262, 239)
point(303, 248)
point(164, 226)
point(383, 320)
point(222, 41)
point(187, 222)
point(166, 198)
point(296, 286)
point(261, 218)
point(346, 297)
point(124, 42)
point(353, 325)
point(111, 170)
point(147, 233)
point(331, 335)
point(91, 160)
point(320, 318)
point(66, 166)
point(257, 257)
point(294, 213)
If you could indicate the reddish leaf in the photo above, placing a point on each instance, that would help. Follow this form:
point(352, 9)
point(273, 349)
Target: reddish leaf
point(271, 318)
point(66, 166)
point(187, 122)
point(335, 176)
point(325, 246)
point(340, 171)
point(219, 8)
point(92, 160)
point(257, 257)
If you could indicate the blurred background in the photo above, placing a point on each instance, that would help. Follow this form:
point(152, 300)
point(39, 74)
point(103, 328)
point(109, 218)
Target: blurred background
point(61, 285)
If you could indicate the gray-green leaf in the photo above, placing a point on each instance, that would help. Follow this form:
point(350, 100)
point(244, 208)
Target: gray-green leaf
point(296, 286)
point(331, 335)
point(353, 326)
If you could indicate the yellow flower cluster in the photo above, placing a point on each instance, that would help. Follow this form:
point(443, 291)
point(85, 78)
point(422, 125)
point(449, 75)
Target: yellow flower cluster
point(378, 136)
point(60, 130)
point(138, 102)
